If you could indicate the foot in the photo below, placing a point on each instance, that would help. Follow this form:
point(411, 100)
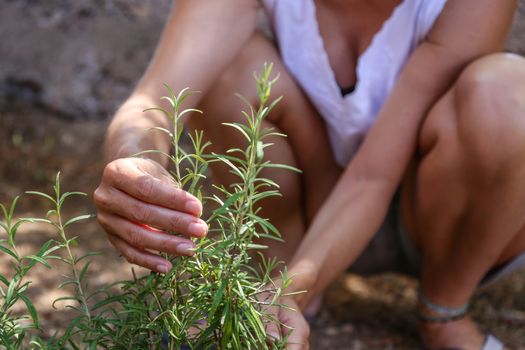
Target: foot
point(460, 334)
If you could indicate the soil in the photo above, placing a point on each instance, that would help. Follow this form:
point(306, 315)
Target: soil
point(358, 313)
point(55, 98)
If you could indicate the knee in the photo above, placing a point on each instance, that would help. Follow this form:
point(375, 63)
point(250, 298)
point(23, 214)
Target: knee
point(221, 102)
point(489, 100)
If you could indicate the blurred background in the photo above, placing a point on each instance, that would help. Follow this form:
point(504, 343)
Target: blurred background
point(65, 66)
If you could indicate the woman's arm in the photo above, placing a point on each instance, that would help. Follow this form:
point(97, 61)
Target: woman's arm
point(466, 30)
point(199, 40)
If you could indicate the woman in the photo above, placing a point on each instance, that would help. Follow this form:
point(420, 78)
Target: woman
point(406, 121)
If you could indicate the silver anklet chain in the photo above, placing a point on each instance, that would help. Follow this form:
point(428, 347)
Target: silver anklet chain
point(445, 314)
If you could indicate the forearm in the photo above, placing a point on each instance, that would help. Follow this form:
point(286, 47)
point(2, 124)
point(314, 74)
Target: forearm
point(358, 205)
point(200, 39)
point(339, 234)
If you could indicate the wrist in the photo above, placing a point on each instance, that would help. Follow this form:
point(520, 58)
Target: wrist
point(302, 277)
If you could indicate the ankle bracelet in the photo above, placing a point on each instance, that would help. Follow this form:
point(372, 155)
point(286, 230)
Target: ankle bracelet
point(444, 314)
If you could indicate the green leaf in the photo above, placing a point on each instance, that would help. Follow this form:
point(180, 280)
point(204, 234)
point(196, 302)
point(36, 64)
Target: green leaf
point(164, 130)
point(169, 99)
point(79, 218)
point(256, 246)
point(8, 251)
point(107, 301)
point(4, 211)
point(72, 298)
point(31, 308)
point(4, 280)
point(229, 201)
point(83, 271)
point(158, 109)
point(189, 110)
point(247, 133)
point(151, 151)
point(69, 194)
point(11, 290)
point(67, 283)
point(38, 259)
point(46, 196)
point(227, 328)
point(217, 299)
point(255, 322)
point(281, 166)
point(12, 209)
point(87, 255)
point(260, 150)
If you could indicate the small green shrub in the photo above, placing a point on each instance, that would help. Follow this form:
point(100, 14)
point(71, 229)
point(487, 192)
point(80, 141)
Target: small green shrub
point(216, 299)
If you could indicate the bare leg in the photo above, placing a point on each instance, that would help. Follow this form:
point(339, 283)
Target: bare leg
point(464, 200)
point(306, 147)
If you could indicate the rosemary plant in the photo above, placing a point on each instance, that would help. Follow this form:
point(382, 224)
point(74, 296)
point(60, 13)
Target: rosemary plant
point(213, 299)
point(13, 288)
point(216, 299)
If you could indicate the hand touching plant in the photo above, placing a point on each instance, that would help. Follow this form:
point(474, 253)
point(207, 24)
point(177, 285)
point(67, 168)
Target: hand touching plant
point(138, 202)
point(209, 294)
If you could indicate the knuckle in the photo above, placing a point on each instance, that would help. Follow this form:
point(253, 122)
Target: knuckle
point(164, 243)
point(115, 174)
point(131, 257)
point(110, 170)
point(100, 197)
point(177, 222)
point(134, 237)
point(140, 212)
point(177, 195)
point(145, 186)
point(102, 220)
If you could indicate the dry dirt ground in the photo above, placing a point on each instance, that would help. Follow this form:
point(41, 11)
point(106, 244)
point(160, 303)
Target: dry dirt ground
point(358, 313)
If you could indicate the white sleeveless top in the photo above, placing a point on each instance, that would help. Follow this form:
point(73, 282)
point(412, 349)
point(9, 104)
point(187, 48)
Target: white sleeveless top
point(349, 117)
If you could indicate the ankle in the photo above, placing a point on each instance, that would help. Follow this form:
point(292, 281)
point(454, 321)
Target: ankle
point(430, 312)
point(462, 334)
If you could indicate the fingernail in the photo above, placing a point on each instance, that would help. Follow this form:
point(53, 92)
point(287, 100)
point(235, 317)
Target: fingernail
point(162, 268)
point(185, 248)
point(198, 228)
point(194, 207)
point(274, 335)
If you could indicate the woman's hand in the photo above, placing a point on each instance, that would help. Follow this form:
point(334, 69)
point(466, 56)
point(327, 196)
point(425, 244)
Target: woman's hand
point(291, 324)
point(138, 203)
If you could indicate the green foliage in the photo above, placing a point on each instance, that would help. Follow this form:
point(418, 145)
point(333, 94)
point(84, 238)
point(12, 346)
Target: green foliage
point(14, 327)
point(216, 299)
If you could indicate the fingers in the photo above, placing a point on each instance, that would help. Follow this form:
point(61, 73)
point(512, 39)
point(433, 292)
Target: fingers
point(142, 237)
point(300, 330)
point(140, 257)
point(114, 201)
point(289, 324)
point(147, 181)
point(136, 195)
point(273, 328)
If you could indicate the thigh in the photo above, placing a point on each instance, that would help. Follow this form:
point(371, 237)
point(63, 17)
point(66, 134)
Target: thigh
point(307, 146)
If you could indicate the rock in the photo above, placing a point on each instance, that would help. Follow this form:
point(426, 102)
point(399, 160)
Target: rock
point(80, 59)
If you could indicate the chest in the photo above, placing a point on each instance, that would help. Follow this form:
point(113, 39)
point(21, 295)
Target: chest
point(347, 29)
